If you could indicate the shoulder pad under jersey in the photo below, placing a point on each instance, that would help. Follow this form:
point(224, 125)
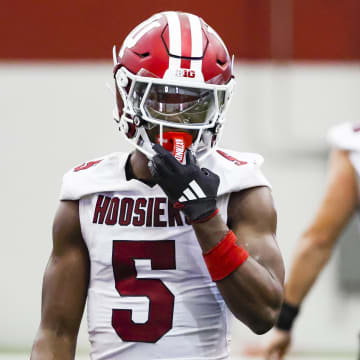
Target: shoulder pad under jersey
point(238, 171)
point(102, 174)
point(345, 136)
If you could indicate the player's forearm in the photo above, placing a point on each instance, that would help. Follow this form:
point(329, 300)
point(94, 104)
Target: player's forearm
point(252, 293)
point(310, 259)
point(210, 232)
point(50, 345)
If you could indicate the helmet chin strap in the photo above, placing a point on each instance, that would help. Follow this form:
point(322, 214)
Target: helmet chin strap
point(176, 142)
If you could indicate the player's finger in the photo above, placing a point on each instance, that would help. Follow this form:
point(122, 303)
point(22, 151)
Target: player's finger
point(161, 167)
point(159, 149)
point(166, 155)
point(207, 172)
point(153, 170)
point(210, 174)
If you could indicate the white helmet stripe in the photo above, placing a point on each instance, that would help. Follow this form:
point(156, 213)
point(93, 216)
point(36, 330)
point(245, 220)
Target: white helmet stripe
point(174, 39)
point(138, 32)
point(196, 42)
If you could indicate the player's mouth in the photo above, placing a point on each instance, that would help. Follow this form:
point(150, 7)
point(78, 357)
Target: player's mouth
point(176, 142)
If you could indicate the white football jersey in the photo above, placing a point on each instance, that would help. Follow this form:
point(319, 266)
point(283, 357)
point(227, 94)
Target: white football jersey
point(150, 295)
point(346, 136)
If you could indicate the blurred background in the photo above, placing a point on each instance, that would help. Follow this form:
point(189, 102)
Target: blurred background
point(297, 72)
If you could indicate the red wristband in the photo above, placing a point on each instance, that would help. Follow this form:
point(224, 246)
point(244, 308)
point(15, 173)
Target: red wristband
point(225, 257)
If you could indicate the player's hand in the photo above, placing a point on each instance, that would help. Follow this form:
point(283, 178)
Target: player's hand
point(189, 188)
point(279, 345)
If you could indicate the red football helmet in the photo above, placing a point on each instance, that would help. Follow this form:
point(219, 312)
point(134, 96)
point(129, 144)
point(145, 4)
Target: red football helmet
point(173, 81)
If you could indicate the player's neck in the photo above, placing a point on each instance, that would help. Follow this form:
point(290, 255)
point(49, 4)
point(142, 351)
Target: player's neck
point(139, 166)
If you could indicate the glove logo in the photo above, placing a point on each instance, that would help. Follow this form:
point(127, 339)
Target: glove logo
point(192, 192)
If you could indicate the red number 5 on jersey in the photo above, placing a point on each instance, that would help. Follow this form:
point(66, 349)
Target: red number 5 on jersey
point(161, 305)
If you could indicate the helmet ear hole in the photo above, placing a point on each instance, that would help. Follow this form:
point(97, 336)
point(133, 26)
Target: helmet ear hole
point(138, 121)
point(121, 79)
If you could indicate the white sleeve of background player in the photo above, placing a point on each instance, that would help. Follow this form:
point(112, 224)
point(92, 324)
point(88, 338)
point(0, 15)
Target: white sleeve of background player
point(345, 136)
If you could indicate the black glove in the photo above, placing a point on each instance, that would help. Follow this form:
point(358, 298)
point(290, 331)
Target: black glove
point(189, 188)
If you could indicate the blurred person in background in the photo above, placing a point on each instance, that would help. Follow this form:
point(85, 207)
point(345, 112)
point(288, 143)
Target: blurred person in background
point(161, 242)
point(317, 243)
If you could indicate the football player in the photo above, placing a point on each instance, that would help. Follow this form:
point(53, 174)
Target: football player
point(163, 241)
point(318, 241)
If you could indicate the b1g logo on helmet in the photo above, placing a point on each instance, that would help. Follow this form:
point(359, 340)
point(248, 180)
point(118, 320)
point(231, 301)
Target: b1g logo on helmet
point(185, 73)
